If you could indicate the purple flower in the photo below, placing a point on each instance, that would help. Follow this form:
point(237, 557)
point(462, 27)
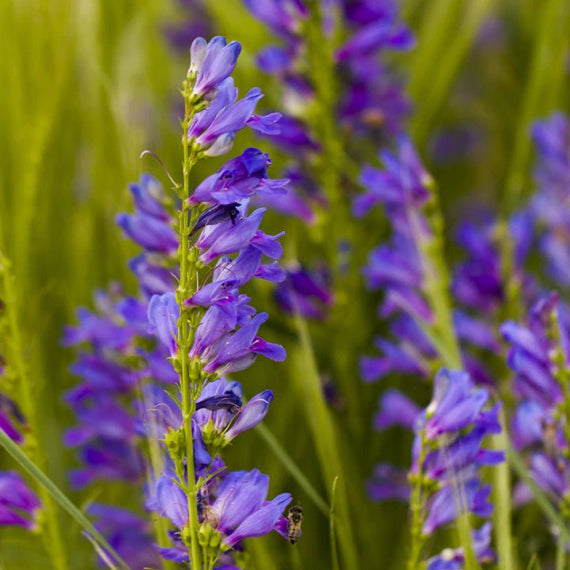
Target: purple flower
point(530, 352)
point(550, 475)
point(452, 500)
point(221, 415)
point(213, 129)
point(240, 349)
point(307, 292)
point(455, 403)
point(453, 559)
point(153, 279)
point(239, 178)
point(241, 509)
point(151, 233)
point(163, 314)
point(12, 421)
point(211, 63)
point(396, 409)
point(107, 459)
point(129, 535)
point(19, 505)
point(389, 482)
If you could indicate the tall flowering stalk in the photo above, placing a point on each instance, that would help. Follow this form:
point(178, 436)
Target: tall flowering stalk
point(189, 326)
point(211, 118)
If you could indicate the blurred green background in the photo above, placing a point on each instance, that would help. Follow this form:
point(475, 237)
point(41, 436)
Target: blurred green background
point(87, 85)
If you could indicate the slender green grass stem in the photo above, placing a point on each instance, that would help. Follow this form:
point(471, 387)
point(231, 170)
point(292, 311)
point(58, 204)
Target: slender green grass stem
point(432, 83)
point(334, 553)
point(27, 400)
point(332, 223)
point(293, 469)
point(502, 501)
point(321, 424)
point(548, 62)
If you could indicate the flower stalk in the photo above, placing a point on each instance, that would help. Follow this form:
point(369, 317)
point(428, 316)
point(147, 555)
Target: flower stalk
point(188, 373)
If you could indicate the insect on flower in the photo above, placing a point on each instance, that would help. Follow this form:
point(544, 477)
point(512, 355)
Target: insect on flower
point(295, 518)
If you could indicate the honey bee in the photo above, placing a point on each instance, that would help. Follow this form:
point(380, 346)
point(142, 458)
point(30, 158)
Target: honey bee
point(295, 518)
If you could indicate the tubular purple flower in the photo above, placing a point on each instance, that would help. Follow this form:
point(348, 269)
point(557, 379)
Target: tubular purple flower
point(455, 404)
point(251, 414)
point(450, 501)
point(396, 409)
point(148, 198)
point(241, 510)
point(149, 232)
point(128, 534)
point(389, 482)
point(163, 314)
point(212, 63)
point(226, 123)
point(450, 559)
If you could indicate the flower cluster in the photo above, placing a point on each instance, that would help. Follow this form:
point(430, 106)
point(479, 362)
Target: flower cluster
point(400, 268)
point(444, 479)
point(538, 355)
point(232, 507)
point(549, 205)
point(353, 85)
point(131, 393)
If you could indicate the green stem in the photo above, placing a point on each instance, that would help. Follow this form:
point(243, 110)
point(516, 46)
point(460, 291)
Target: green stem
point(502, 501)
point(416, 502)
point(53, 539)
point(188, 380)
point(332, 514)
point(333, 224)
point(436, 282)
point(548, 63)
point(307, 378)
point(559, 359)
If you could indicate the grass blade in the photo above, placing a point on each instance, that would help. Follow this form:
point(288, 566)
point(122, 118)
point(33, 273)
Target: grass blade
point(306, 376)
point(58, 496)
point(293, 469)
point(334, 550)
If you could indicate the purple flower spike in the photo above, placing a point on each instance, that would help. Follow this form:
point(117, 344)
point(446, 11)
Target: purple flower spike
point(19, 505)
point(163, 314)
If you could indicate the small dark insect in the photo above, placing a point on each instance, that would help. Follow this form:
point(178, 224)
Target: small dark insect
point(295, 518)
point(227, 401)
point(216, 215)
